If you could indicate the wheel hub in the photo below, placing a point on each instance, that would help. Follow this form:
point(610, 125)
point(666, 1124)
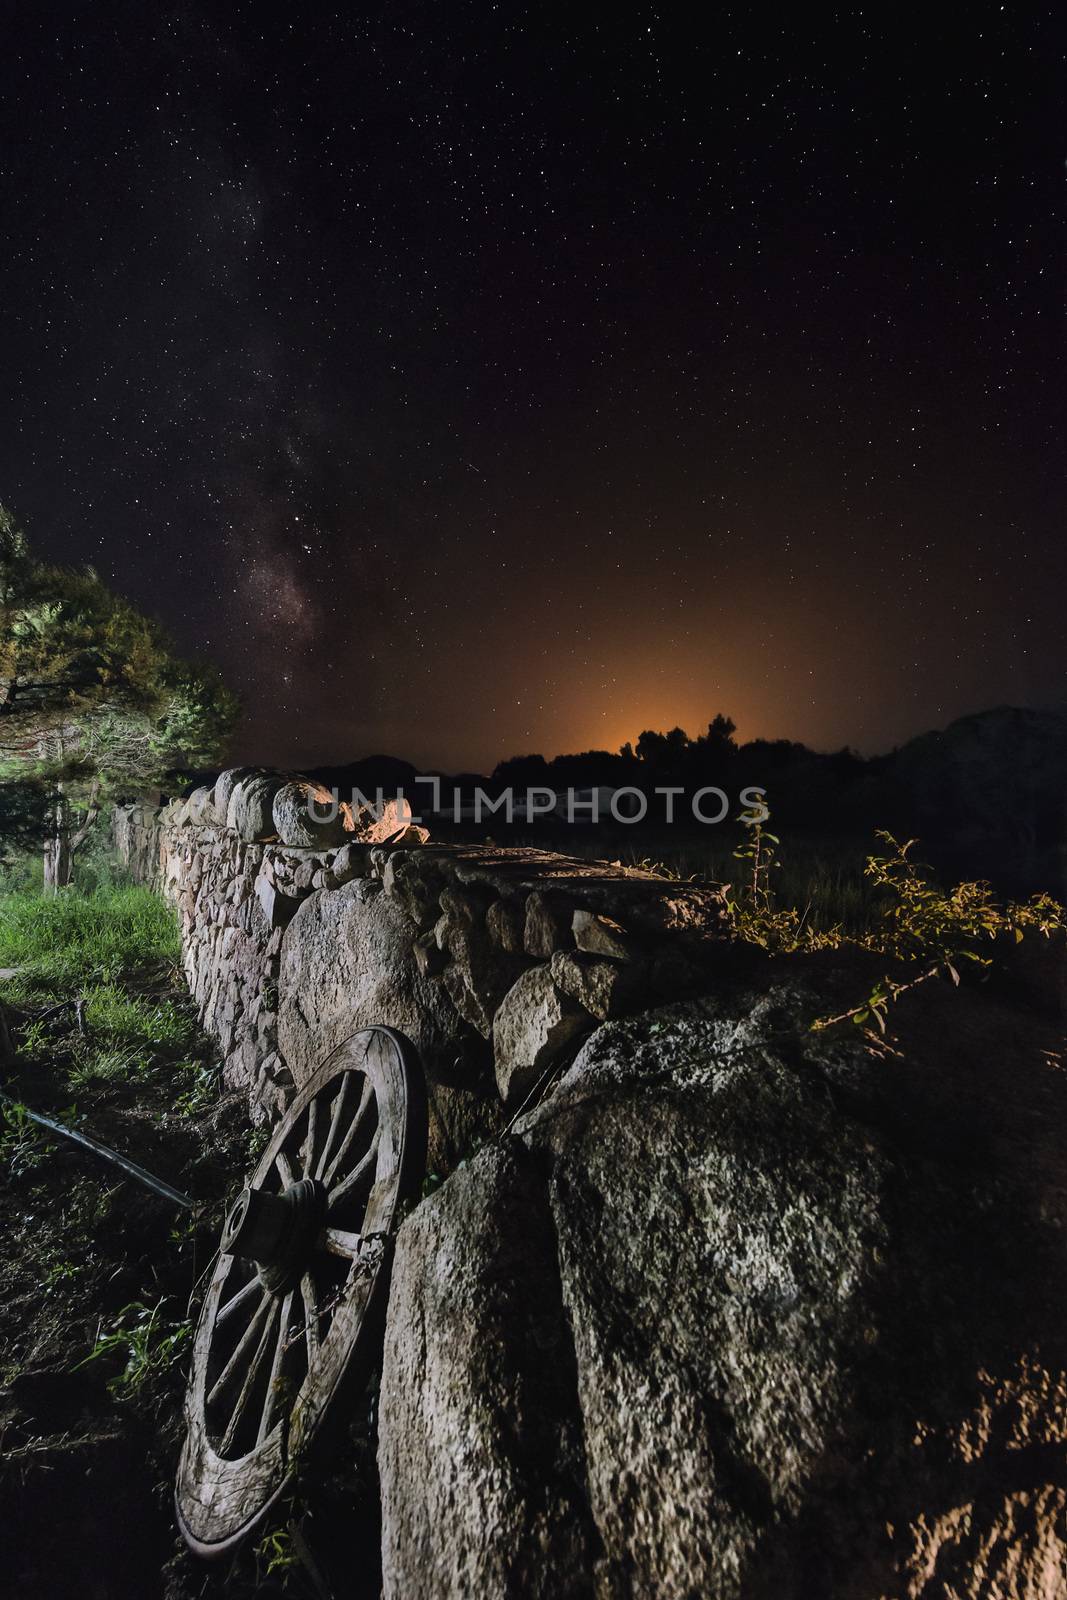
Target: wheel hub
point(276, 1231)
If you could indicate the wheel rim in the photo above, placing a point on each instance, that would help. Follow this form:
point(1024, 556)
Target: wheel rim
point(292, 1315)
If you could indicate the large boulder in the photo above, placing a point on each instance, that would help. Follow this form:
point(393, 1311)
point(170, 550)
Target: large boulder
point(225, 784)
point(250, 811)
point(536, 1022)
point(468, 1286)
point(346, 962)
point(200, 808)
point(301, 812)
point(809, 1320)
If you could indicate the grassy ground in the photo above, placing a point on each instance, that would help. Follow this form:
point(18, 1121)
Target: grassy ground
point(95, 1321)
point(100, 1274)
point(75, 938)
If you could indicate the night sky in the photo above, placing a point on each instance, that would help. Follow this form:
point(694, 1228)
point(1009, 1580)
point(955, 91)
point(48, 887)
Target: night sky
point(468, 380)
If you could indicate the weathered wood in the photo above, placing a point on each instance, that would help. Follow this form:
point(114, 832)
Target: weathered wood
point(339, 1242)
point(359, 1171)
point(353, 1128)
point(238, 1300)
point(245, 1392)
point(221, 1496)
point(236, 1363)
point(272, 1397)
point(336, 1113)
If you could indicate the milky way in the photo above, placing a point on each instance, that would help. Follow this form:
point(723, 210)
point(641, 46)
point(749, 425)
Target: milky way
point(467, 381)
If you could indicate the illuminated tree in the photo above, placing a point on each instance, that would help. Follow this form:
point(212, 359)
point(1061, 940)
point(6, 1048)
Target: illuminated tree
point(93, 703)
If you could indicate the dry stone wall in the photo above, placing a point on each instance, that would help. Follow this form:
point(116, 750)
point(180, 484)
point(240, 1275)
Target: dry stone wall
point(495, 962)
point(736, 1309)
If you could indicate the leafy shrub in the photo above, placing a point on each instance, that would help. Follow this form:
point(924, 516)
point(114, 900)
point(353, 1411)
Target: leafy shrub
point(919, 924)
point(937, 930)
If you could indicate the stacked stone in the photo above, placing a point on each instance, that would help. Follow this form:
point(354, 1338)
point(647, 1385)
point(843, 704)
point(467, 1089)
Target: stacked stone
point(297, 931)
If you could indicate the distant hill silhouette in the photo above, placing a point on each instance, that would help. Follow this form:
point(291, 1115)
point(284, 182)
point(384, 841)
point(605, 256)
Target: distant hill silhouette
point(388, 773)
point(992, 788)
point(987, 796)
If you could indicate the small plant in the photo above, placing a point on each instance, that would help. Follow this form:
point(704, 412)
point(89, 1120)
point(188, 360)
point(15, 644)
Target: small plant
point(183, 1232)
point(61, 1273)
point(756, 853)
point(258, 1140)
point(102, 1065)
point(202, 1092)
point(277, 1552)
point(33, 1040)
point(151, 1342)
point(23, 1143)
point(752, 905)
point(662, 869)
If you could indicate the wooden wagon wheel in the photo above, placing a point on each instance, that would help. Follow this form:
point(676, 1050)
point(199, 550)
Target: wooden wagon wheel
point(294, 1309)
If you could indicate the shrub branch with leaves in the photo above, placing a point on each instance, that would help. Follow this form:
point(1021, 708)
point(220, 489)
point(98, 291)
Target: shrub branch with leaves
point(937, 930)
point(921, 925)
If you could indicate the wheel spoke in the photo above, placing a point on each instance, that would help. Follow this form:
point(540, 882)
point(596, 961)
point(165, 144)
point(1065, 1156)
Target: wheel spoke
point(311, 1316)
point(335, 1121)
point(239, 1299)
point(307, 1152)
point(361, 1111)
point(250, 1378)
point(339, 1242)
point(272, 1396)
point(242, 1345)
point(346, 1184)
point(285, 1171)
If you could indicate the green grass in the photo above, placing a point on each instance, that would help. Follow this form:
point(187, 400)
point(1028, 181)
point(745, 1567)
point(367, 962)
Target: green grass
point(97, 996)
point(73, 939)
point(112, 1012)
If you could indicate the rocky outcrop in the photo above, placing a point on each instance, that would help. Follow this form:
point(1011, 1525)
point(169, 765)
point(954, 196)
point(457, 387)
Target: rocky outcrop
point(485, 1379)
point(742, 1311)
